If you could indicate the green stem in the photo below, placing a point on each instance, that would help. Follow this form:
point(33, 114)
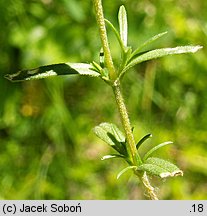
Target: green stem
point(104, 39)
point(131, 145)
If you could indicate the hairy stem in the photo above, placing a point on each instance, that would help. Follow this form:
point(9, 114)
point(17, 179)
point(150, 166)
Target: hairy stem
point(104, 39)
point(150, 191)
point(131, 145)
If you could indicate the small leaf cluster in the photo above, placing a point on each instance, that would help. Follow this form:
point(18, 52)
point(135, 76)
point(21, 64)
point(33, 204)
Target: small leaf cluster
point(111, 134)
point(130, 58)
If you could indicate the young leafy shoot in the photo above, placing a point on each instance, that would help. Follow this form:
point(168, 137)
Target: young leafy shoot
point(131, 59)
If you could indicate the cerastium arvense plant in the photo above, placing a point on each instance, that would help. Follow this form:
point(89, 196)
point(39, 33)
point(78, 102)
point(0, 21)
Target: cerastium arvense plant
point(123, 143)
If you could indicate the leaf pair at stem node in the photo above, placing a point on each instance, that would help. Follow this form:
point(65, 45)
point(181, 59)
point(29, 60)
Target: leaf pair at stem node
point(110, 134)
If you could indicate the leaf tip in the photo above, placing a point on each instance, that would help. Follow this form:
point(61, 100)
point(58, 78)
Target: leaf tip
point(108, 157)
point(104, 158)
point(196, 48)
point(8, 77)
point(171, 174)
point(11, 77)
point(122, 10)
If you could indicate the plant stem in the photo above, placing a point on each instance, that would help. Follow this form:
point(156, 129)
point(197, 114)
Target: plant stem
point(149, 189)
point(120, 101)
point(131, 145)
point(104, 39)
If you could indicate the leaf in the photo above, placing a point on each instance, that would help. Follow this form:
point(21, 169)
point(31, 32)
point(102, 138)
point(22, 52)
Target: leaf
point(124, 170)
point(122, 37)
point(149, 41)
point(116, 34)
point(160, 167)
point(96, 67)
point(53, 70)
point(102, 71)
point(151, 151)
point(123, 26)
point(142, 140)
point(110, 134)
point(106, 128)
point(157, 53)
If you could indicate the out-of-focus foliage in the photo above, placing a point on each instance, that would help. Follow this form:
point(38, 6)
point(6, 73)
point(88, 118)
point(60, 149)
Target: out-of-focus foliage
point(47, 148)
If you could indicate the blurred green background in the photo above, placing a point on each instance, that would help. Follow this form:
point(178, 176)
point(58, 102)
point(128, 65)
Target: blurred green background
point(47, 147)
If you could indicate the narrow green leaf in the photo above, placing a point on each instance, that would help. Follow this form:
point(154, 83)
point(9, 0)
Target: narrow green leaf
point(124, 170)
point(151, 151)
point(102, 71)
point(146, 43)
point(123, 26)
point(116, 34)
point(96, 67)
point(142, 140)
point(53, 70)
point(157, 53)
point(160, 167)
